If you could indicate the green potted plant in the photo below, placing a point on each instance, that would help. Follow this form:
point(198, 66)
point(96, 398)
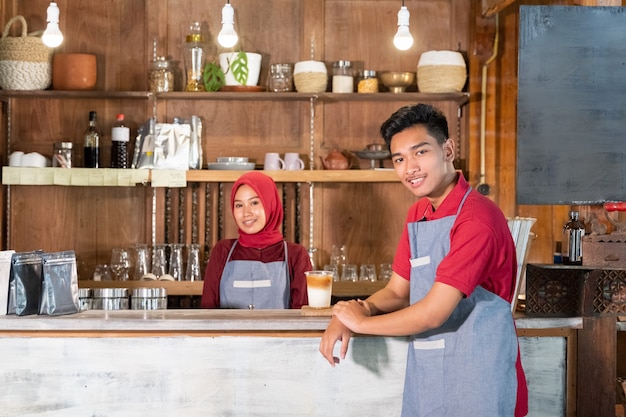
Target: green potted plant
point(241, 68)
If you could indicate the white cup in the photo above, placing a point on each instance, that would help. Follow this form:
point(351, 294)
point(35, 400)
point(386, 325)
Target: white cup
point(293, 162)
point(273, 162)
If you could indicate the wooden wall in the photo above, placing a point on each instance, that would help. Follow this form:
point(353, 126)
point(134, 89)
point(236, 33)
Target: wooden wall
point(361, 31)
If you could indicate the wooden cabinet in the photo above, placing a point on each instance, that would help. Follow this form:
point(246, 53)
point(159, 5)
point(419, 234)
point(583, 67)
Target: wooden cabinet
point(361, 208)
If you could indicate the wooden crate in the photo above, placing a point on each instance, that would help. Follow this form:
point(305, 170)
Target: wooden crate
point(604, 251)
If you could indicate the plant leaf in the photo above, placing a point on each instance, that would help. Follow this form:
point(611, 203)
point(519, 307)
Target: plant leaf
point(213, 77)
point(239, 66)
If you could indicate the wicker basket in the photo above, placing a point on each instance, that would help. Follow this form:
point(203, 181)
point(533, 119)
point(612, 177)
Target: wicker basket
point(441, 78)
point(25, 62)
point(310, 82)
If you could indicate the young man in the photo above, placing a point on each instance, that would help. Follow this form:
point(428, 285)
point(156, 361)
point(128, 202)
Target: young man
point(451, 287)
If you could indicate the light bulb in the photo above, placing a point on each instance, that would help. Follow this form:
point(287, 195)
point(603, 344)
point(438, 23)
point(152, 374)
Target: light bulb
point(403, 39)
point(52, 36)
point(227, 36)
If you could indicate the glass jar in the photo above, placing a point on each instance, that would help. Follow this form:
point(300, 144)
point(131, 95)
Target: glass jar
point(62, 156)
point(368, 83)
point(343, 79)
point(161, 76)
point(281, 78)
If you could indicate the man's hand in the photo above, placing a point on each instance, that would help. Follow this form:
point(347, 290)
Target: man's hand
point(335, 332)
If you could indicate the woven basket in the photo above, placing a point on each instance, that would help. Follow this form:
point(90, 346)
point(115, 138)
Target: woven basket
point(441, 78)
point(25, 62)
point(310, 82)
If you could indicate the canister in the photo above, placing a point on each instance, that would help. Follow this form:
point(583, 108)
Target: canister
point(343, 79)
point(148, 298)
point(161, 76)
point(85, 298)
point(110, 298)
point(368, 83)
point(62, 155)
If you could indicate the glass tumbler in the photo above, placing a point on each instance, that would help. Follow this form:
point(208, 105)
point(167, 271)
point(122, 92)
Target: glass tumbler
point(281, 78)
point(176, 261)
point(349, 273)
point(142, 261)
point(193, 263)
point(159, 261)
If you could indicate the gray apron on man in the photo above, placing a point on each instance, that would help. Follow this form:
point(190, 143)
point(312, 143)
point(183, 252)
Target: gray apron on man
point(467, 366)
point(254, 284)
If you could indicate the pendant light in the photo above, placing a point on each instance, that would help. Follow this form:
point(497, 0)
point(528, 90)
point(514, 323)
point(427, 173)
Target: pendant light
point(227, 36)
point(52, 36)
point(403, 39)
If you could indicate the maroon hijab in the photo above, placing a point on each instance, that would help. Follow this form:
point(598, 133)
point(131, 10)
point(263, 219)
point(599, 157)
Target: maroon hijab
point(265, 187)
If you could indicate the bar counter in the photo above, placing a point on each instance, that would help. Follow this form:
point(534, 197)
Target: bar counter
point(230, 363)
point(200, 320)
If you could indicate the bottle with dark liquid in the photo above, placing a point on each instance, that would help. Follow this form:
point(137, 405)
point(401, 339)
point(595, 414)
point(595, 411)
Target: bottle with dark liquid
point(120, 137)
point(573, 233)
point(91, 146)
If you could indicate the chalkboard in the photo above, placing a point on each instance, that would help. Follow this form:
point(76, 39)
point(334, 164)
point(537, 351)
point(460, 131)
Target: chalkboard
point(571, 110)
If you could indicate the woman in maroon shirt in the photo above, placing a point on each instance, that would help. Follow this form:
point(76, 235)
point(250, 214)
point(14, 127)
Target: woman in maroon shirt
point(258, 270)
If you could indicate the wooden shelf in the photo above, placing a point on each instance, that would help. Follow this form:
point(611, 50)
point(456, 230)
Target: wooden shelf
point(310, 176)
point(340, 289)
point(109, 177)
point(460, 98)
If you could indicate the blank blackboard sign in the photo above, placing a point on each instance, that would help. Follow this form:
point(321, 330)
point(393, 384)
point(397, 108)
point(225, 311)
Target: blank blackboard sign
point(571, 110)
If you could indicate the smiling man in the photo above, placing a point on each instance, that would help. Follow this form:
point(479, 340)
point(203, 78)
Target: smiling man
point(451, 287)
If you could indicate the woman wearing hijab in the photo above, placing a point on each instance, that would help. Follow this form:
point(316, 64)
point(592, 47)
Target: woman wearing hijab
point(258, 270)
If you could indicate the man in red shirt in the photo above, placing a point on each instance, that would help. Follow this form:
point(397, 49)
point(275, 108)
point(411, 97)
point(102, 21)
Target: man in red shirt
point(452, 283)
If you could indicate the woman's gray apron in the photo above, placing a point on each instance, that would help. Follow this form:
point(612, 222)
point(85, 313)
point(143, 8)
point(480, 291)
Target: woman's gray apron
point(467, 366)
point(254, 284)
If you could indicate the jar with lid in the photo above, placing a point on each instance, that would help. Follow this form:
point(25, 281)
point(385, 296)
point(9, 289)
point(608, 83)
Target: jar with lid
point(62, 155)
point(368, 83)
point(161, 75)
point(343, 79)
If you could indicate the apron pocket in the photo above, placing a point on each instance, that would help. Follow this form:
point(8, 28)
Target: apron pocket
point(429, 375)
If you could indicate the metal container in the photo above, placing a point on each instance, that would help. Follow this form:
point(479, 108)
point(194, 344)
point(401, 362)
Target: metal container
point(85, 299)
point(148, 299)
point(110, 298)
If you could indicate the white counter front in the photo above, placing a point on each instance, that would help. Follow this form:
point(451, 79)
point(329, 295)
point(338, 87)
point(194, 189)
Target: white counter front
point(222, 363)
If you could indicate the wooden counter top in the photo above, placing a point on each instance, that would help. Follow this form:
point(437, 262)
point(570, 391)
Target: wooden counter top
point(201, 320)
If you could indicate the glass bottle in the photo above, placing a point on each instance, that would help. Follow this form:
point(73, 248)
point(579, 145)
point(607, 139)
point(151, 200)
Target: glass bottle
point(120, 137)
point(194, 58)
point(91, 147)
point(573, 232)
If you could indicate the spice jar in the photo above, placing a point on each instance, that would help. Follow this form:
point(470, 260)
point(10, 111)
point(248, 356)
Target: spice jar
point(343, 81)
point(62, 155)
point(161, 76)
point(368, 83)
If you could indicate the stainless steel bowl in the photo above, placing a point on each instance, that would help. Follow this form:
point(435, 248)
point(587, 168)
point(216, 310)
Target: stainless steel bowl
point(232, 159)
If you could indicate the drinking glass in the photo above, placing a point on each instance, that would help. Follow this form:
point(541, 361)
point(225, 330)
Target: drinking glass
point(193, 263)
point(159, 260)
point(385, 271)
point(120, 264)
point(349, 273)
point(142, 260)
point(334, 269)
point(368, 272)
point(102, 273)
point(176, 261)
